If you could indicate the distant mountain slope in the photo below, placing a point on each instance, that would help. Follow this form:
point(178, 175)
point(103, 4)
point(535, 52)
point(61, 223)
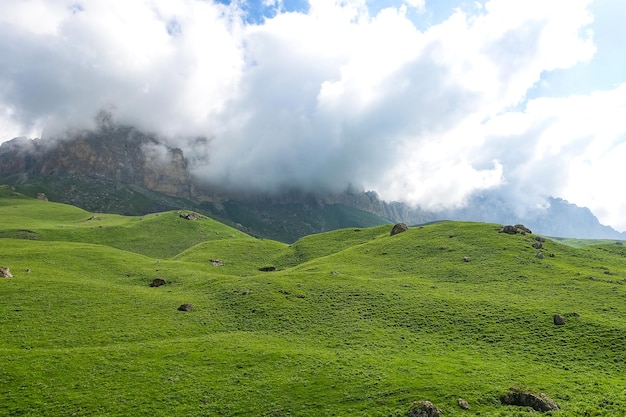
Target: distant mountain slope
point(120, 169)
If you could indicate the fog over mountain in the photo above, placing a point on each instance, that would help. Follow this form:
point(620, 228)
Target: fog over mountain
point(429, 103)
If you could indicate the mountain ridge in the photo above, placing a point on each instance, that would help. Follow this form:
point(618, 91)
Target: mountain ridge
point(119, 168)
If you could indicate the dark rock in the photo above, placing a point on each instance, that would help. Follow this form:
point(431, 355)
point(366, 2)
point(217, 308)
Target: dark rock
point(558, 320)
point(157, 282)
point(540, 255)
point(463, 404)
point(424, 409)
point(5, 272)
point(398, 228)
point(267, 269)
point(511, 230)
point(523, 229)
point(466, 259)
point(42, 196)
point(551, 255)
point(538, 402)
point(537, 245)
point(186, 307)
point(217, 262)
point(518, 228)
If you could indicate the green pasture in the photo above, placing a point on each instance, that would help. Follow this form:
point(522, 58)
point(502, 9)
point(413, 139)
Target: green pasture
point(353, 322)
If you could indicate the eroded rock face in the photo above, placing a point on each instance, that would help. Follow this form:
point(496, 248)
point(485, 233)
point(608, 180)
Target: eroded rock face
point(399, 228)
point(424, 409)
point(115, 152)
point(538, 402)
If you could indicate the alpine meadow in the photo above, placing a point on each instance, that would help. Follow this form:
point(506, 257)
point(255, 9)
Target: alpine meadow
point(176, 314)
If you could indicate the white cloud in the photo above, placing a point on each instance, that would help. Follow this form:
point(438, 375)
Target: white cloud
point(333, 96)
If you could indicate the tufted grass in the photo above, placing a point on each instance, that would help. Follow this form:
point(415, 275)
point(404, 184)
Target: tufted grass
point(352, 322)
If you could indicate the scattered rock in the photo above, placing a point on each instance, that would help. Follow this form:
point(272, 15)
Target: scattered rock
point(28, 270)
point(5, 272)
point(551, 255)
point(267, 269)
point(157, 282)
point(538, 402)
point(463, 404)
point(300, 296)
point(189, 216)
point(558, 320)
point(217, 262)
point(518, 228)
point(424, 409)
point(334, 272)
point(186, 307)
point(94, 218)
point(540, 255)
point(466, 259)
point(537, 245)
point(398, 228)
point(42, 196)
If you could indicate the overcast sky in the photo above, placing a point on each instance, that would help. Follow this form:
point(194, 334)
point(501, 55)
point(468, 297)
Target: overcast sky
point(425, 101)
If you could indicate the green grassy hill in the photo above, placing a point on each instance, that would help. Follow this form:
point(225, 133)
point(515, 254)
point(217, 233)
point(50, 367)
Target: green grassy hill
point(352, 322)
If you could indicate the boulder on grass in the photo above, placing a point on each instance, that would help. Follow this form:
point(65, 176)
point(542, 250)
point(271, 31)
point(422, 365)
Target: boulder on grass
point(398, 228)
point(558, 320)
point(538, 402)
point(463, 404)
point(5, 272)
point(157, 282)
point(186, 307)
point(424, 409)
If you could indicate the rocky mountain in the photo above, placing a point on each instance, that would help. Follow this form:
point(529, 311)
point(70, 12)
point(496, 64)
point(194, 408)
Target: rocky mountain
point(120, 169)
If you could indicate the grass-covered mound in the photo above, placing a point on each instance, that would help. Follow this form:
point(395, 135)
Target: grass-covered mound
point(351, 323)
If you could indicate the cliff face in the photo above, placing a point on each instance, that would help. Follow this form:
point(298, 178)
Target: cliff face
point(119, 154)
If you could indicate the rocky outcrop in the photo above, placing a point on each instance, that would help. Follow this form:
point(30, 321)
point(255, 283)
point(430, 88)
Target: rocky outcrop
point(119, 153)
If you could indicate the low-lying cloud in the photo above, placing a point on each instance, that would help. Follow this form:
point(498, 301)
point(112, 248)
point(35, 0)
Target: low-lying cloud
point(328, 96)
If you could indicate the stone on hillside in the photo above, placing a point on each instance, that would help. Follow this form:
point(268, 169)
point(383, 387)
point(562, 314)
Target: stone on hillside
point(537, 245)
point(538, 402)
point(540, 255)
point(157, 282)
point(5, 272)
point(523, 229)
point(467, 259)
point(186, 307)
point(518, 228)
point(42, 196)
point(189, 216)
point(267, 269)
point(558, 320)
point(511, 230)
point(217, 262)
point(424, 409)
point(398, 228)
point(463, 404)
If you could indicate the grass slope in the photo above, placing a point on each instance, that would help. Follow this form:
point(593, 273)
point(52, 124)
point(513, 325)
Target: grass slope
point(353, 322)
